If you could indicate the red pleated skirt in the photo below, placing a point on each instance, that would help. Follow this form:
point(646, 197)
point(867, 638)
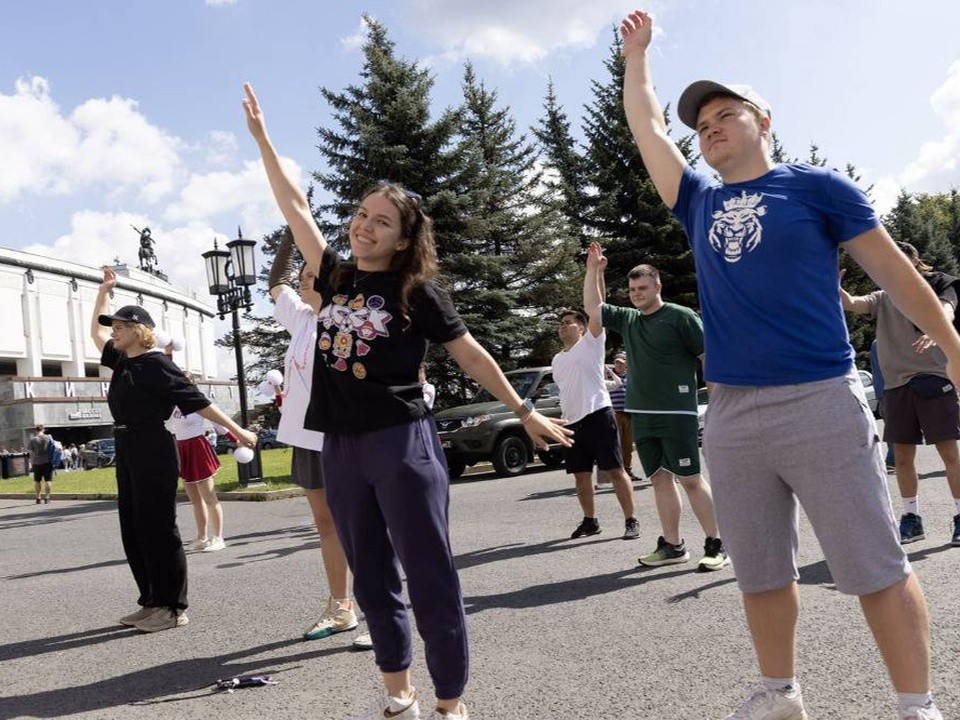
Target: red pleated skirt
point(197, 459)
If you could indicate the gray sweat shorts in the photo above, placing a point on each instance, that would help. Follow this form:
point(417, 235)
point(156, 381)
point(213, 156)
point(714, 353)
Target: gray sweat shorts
point(766, 448)
point(306, 469)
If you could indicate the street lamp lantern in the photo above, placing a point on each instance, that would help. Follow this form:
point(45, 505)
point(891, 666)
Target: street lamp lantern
point(216, 263)
point(241, 257)
point(230, 273)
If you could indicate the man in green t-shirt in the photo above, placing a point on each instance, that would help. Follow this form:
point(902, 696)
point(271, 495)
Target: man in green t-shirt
point(663, 342)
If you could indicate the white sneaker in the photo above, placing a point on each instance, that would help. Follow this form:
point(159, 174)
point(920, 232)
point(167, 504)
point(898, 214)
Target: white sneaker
point(363, 642)
point(396, 708)
point(438, 714)
point(214, 544)
point(335, 619)
point(764, 704)
point(198, 544)
point(928, 712)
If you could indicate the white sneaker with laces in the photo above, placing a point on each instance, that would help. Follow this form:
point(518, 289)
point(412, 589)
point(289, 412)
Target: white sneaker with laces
point(764, 704)
point(198, 544)
point(215, 544)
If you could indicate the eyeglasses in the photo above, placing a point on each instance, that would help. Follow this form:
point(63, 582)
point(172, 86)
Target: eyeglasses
point(415, 198)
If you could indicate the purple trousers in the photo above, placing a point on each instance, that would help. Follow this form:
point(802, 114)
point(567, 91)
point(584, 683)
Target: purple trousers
point(389, 493)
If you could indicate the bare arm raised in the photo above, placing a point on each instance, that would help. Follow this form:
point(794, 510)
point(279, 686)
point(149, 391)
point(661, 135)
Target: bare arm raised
point(101, 306)
point(661, 156)
point(290, 198)
point(593, 289)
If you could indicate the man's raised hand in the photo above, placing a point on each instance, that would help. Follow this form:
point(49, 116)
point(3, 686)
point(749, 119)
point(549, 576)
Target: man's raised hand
point(636, 31)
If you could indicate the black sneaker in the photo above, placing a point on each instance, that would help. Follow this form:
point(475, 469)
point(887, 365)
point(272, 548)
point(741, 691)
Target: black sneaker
point(955, 540)
point(665, 554)
point(631, 529)
point(714, 556)
point(589, 526)
point(38, 501)
point(911, 528)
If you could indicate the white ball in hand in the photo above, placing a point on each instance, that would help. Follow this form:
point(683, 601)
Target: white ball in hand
point(243, 454)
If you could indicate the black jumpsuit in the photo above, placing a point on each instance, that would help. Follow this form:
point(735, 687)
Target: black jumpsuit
point(143, 391)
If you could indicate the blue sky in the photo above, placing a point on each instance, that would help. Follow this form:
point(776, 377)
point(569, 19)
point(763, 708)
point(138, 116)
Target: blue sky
point(115, 112)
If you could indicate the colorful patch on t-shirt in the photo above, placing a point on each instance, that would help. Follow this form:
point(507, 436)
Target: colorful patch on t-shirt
point(358, 323)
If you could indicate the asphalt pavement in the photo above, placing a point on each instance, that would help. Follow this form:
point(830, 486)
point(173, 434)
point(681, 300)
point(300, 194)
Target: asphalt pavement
point(558, 628)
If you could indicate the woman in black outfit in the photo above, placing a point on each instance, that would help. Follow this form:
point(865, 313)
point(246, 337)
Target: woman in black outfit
point(143, 391)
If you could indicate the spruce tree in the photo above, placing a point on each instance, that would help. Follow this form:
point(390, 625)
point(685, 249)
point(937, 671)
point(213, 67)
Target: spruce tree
point(516, 252)
point(622, 209)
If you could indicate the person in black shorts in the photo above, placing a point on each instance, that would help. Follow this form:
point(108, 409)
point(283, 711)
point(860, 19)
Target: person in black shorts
point(40, 447)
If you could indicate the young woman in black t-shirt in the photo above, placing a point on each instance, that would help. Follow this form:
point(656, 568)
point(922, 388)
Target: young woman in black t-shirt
point(386, 477)
point(144, 389)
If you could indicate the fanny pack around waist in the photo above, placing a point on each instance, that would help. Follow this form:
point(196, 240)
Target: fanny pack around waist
point(930, 386)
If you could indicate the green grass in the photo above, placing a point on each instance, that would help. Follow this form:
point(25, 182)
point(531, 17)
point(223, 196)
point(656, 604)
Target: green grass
point(276, 475)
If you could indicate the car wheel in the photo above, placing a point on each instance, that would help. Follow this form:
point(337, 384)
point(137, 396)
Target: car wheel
point(456, 468)
point(510, 456)
point(551, 458)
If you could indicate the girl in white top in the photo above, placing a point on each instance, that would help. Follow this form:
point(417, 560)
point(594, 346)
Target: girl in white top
point(297, 313)
point(198, 465)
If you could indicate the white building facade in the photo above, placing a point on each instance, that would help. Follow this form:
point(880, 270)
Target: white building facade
point(50, 369)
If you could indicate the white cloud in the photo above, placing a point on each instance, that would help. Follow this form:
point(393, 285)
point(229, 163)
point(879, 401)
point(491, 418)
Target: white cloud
point(352, 42)
point(219, 3)
point(514, 32)
point(245, 193)
point(937, 165)
point(102, 142)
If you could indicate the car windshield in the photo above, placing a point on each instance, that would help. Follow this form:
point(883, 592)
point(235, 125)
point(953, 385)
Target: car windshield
point(521, 381)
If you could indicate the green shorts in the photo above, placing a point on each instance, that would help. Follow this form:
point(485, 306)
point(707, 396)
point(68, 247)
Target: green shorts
point(668, 442)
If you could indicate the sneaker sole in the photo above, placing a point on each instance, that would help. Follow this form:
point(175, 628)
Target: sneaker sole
point(709, 567)
point(661, 563)
point(329, 631)
point(915, 538)
point(631, 537)
point(583, 535)
point(182, 621)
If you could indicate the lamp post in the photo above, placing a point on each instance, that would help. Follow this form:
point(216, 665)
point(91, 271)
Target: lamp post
point(230, 273)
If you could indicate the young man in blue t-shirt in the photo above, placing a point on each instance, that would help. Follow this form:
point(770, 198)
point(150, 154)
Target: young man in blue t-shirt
point(787, 419)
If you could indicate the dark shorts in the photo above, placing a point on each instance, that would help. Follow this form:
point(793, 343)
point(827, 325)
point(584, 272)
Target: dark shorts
point(43, 471)
point(909, 419)
point(596, 441)
point(668, 442)
point(306, 469)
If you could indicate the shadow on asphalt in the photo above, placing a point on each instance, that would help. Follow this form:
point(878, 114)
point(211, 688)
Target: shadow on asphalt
point(568, 590)
point(572, 491)
point(299, 538)
point(519, 550)
point(150, 685)
point(936, 473)
point(491, 475)
point(56, 513)
point(63, 571)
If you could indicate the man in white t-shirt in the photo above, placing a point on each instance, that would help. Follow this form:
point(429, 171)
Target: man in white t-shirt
point(578, 370)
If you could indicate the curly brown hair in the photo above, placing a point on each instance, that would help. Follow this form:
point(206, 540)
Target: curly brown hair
point(417, 262)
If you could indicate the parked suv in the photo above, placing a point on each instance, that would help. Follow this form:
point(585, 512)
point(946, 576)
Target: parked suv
point(99, 453)
point(485, 430)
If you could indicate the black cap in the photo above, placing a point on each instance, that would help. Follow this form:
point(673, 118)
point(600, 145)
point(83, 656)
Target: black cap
point(128, 313)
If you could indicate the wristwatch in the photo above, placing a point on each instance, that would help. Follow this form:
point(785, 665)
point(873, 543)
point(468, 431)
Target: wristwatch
point(525, 409)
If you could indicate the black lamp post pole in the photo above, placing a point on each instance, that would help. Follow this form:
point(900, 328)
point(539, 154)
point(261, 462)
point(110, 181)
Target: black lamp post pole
point(250, 473)
point(229, 276)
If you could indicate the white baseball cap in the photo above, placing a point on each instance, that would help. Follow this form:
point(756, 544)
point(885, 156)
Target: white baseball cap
point(692, 98)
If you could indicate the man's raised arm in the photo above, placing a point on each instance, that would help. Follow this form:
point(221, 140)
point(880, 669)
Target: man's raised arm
point(661, 156)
